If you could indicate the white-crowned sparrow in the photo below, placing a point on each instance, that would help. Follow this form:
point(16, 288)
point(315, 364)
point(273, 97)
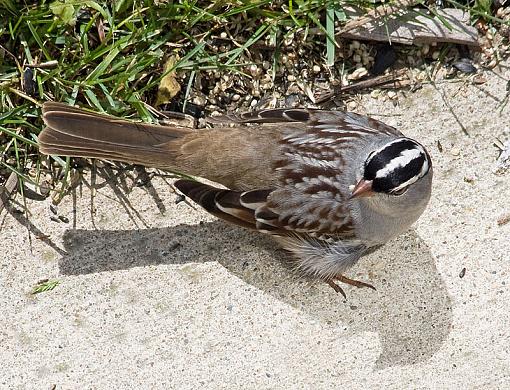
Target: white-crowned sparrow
point(328, 185)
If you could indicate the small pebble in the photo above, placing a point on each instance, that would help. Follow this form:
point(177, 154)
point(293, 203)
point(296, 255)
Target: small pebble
point(289, 40)
point(455, 151)
point(223, 35)
point(392, 94)
point(291, 78)
point(316, 69)
point(435, 55)
point(375, 93)
point(351, 106)
point(500, 12)
point(479, 79)
point(254, 70)
point(358, 73)
point(267, 85)
point(421, 76)
point(199, 100)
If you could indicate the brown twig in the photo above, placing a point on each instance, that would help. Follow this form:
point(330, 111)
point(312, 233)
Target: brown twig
point(393, 77)
point(447, 103)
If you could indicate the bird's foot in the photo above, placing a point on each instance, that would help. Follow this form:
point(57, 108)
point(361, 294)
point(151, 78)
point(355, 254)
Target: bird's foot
point(346, 280)
point(336, 287)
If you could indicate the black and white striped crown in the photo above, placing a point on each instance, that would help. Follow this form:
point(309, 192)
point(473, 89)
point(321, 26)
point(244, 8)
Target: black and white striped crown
point(396, 165)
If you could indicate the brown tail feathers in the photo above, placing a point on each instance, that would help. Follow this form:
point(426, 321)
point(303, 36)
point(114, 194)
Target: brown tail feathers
point(75, 132)
point(237, 157)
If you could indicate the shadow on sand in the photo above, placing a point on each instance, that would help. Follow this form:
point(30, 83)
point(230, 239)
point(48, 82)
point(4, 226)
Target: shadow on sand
point(410, 311)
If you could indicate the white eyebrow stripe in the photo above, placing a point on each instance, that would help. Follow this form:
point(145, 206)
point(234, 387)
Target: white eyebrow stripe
point(406, 184)
point(404, 159)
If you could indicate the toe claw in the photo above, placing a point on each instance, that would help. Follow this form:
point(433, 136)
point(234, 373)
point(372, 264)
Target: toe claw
point(337, 288)
point(347, 280)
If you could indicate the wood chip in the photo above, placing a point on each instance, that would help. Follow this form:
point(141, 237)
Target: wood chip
point(412, 27)
point(378, 13)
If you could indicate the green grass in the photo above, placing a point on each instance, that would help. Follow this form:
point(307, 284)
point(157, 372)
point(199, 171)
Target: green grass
point(111, 56)
point(44, 286)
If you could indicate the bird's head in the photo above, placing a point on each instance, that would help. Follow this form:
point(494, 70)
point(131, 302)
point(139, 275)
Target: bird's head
point(393, 169)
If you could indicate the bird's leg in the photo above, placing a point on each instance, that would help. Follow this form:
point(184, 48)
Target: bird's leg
point(336, 287)
point(356, 283)
point(346, 280)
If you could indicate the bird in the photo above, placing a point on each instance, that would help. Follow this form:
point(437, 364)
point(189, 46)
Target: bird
point(328, 186)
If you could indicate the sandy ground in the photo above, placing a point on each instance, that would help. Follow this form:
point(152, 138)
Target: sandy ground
point(159, 295)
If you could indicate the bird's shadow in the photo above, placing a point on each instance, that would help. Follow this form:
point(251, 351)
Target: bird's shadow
point(410, 311)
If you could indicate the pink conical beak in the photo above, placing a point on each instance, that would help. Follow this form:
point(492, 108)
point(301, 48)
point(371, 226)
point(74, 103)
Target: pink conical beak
point(362, 189)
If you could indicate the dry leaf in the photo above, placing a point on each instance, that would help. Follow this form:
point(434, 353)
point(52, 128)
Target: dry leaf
point(169, 86)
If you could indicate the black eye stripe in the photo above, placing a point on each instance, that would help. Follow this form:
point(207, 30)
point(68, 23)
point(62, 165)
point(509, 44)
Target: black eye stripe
point(399, 175)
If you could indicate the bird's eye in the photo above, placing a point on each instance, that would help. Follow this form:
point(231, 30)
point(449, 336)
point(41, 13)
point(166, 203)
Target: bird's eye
point(399, 192)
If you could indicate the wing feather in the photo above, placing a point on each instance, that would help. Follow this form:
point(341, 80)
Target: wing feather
point(222, 203)
point(325, 119)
